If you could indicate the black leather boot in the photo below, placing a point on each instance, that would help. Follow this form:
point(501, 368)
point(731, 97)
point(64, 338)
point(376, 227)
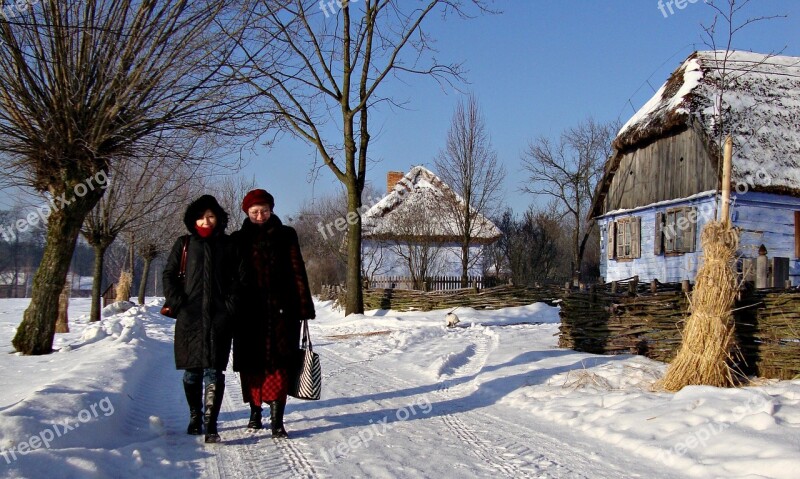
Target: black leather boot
point(276, 409)
point(213, 400)
point(255, 417)
point(194, 397)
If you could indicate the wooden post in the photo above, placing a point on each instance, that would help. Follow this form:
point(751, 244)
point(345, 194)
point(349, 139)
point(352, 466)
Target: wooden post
point(613, 287)
point(593, 293)
point(762, 268)
point(654, 286)
point(62, 322)
point(725, 216)
point(685, 287)
point(632, 284)
point(566, 287)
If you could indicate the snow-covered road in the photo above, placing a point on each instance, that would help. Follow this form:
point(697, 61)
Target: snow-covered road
point(403, 397)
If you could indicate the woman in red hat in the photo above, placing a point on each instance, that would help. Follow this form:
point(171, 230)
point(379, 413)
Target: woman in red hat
point(277, 298)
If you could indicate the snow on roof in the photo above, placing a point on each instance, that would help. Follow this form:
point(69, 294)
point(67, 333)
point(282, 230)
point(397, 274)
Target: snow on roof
point(760, 109)
point(419, 194)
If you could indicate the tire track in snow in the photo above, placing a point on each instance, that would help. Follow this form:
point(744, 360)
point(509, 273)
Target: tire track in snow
point(494, 459)
point(498, 443)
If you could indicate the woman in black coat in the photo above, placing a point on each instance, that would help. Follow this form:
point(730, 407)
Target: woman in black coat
point(278, 297)
point(205, 304)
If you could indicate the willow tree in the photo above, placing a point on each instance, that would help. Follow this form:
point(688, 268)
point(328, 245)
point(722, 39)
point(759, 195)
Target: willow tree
point(85, 83)
point(329, 74)
point(143, 193)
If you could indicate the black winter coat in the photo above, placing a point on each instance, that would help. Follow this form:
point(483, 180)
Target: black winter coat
point(206, 301)
point(277, 297)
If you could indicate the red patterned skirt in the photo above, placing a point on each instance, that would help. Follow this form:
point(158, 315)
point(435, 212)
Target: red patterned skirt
point(258, 388)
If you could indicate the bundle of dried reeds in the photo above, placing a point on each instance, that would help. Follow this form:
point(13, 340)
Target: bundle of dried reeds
point(708, 337)
point(123, 291)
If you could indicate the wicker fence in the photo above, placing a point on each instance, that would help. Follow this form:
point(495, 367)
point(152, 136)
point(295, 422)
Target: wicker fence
point(432, 283)
point(639, 321)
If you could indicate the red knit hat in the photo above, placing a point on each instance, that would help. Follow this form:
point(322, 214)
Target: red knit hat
point(257, 197)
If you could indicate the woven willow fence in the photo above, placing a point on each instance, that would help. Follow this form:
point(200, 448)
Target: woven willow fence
point(638, 318)
point(646, 323)
point(488, 298)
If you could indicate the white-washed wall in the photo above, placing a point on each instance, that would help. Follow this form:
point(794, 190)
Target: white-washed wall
point(665, 268)
point(448, 260)
point(763, 218)
point(767, 219)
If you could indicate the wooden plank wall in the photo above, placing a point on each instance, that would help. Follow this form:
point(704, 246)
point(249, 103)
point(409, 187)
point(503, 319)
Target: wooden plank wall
point(677, 166)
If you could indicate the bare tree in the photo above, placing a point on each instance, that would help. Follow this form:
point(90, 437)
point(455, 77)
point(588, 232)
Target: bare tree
point(330, 72)
point(568, 172)
point(468, 165)
point(230, 193)
point(84, 84)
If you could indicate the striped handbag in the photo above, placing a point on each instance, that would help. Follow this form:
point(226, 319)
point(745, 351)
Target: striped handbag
point(307, 380)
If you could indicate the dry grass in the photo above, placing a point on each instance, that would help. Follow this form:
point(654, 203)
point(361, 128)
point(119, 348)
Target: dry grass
point(708, 337)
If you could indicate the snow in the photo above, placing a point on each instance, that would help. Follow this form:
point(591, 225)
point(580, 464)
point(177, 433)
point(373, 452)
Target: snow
point(420, 192)
point(404, 396)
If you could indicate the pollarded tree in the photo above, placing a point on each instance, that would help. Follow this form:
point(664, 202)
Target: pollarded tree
point(327, 78)
point(85, 83)
point(468, 165)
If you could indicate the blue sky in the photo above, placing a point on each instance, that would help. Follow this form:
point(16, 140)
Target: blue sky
point(538, 68)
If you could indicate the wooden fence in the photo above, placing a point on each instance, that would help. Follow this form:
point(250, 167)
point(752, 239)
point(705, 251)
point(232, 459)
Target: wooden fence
point(431, 283)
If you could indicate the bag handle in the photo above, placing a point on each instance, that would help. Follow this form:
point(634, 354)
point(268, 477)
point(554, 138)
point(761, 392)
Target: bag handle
point(306, 336)
point(182, 271)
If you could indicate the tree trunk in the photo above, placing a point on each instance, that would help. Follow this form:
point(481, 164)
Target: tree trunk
point(143, 279)
point(97, 279)
point(37, 329)
point(465, 263)
point(354, 303)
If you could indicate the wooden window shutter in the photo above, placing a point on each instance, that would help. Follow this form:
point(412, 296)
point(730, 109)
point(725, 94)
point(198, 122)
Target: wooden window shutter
point(658, 239)
point(611, 236)
point(636, 244)
point(797, 234)
point(691, 232)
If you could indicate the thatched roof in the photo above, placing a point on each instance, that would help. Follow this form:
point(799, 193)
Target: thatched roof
point(760, 109)
point(421, 194)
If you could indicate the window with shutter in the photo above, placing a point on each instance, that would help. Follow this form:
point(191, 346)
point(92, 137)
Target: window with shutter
point(626, 234)
point(679, 230)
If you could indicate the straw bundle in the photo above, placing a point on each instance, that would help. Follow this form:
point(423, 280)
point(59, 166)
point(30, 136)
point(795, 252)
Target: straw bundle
point(705, 353)
point(123, 292)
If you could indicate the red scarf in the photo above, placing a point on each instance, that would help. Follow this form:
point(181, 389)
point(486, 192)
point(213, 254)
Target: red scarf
point(204, 231)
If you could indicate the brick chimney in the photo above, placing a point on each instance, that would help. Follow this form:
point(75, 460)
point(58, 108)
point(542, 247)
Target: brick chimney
point(392, 178)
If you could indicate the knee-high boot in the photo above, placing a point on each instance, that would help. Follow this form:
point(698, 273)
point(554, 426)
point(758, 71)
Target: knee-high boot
point(276, 409)
point(255, 417)
point(213, 400)
point(194, 397)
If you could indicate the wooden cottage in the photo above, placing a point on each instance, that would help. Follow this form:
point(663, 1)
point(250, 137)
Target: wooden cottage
point(414, 228)
point(662, 183)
